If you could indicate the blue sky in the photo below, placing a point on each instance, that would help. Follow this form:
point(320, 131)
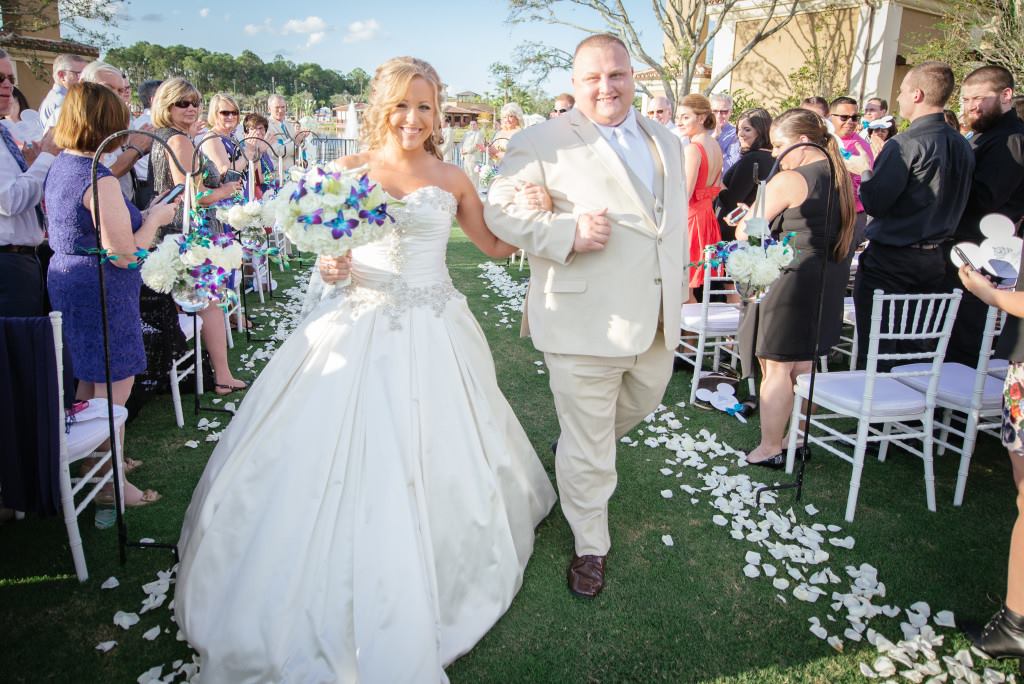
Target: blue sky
point(461, 38)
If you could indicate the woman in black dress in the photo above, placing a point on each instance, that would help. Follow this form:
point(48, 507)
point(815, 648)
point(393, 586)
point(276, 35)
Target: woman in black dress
point(797, 200)
point(740, 180)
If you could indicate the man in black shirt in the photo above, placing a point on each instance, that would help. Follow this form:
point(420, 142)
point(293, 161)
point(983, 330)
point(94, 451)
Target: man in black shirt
point(997, 188)
point(915, 195)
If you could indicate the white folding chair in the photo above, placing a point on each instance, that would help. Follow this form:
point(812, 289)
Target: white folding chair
point(79, 440)
point(968, 391)
point(189, 362)
point(873, 397)
point(714, 323)
point(847, 345)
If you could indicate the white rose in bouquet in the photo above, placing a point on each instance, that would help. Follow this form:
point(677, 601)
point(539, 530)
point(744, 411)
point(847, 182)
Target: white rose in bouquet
point(164, 267)
point(780, 255)
point(764, 272)
point(740, 264)
point(196, 255)
point(229, 257)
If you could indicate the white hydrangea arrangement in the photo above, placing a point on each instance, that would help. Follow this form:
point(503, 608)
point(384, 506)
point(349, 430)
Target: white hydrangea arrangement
point(195, 268)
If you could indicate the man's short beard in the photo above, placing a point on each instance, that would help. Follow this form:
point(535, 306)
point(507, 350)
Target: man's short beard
point(986, 120)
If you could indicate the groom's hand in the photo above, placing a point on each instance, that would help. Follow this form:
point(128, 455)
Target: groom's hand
point(592, 231)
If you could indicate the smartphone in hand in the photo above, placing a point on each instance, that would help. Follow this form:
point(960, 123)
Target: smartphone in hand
point(171, 195)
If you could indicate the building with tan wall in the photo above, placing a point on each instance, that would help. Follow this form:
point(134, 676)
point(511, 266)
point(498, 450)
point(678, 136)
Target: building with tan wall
point(34, 44)
point(830, 48)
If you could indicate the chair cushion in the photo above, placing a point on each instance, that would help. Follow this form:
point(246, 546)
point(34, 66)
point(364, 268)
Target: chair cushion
point(849, 312)
point(997, 368)
point(91, 428)
point(956, 385)
point(845, 390)
point(185, 323)
point(723, 319)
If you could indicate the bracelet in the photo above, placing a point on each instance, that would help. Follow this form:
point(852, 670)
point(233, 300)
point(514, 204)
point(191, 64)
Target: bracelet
point(136, 150)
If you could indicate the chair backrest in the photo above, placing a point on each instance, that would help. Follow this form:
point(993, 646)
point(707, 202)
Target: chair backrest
point(994, 322)
point(923, 319)
point(717, 283)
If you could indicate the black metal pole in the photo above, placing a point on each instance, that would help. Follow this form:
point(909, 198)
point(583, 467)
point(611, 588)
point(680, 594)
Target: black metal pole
point(804, 450)
point(122, 526)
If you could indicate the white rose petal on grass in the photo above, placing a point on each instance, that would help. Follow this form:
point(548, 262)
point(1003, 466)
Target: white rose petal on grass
point(836, 643)
point(105, 646)
point(843, 542)
point(720, 520)
point(751, 571)
point(110, 583)
point(780, 583)
point(666, 539)
point(666, 493)
point(150, 675)
point(125, 620)
point(151, 633)
point(811, 510)
point(230, 406)
point(944, 618)
point(192, 444)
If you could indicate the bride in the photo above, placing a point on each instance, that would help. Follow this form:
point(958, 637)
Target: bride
point(368, 515)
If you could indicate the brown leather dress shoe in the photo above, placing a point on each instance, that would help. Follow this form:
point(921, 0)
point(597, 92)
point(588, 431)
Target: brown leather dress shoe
point(586, 575)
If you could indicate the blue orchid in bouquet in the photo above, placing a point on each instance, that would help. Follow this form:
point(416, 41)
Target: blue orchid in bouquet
point(195, 268)
point(329, 213)
point(754, 263)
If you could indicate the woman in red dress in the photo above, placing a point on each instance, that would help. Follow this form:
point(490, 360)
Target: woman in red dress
point(702, 160)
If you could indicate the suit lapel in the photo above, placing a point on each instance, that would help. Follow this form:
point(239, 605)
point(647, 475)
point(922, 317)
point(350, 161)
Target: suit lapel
point(587, 132)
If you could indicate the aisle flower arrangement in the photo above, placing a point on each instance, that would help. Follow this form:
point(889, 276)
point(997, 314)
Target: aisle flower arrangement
point(487, 174)
point(194, 268)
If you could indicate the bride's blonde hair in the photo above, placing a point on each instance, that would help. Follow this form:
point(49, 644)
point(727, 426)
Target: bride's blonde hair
point(388, 87)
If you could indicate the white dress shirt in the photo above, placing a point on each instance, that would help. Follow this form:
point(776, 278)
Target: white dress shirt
point(20, 194)
point(631, 146)
point(49, 109)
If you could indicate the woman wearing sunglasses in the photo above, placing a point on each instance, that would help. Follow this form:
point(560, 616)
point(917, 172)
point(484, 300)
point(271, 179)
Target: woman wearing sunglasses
point(175, 111)
point(224, 120)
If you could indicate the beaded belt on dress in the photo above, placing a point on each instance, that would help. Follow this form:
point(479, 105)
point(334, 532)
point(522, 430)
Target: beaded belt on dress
point(396, 297)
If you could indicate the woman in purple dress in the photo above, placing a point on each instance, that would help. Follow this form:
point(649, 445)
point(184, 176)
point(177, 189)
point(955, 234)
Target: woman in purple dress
point(90, 113)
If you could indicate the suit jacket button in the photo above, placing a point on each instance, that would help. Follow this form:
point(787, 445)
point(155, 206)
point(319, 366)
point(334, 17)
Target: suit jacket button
point(657, 281)
point(659, 241)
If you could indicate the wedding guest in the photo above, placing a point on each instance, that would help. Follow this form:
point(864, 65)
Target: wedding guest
point(997, 187)
point(818, 105)
point(702, 165)
point(22, 172)
point(1018, 104)
point(952, 120)
point(1003, 636)
point(877, 137)
point(874, 109)
point(255, 126)
point(17, 106)
point(844, 116)
point(281, 135)
point(660, 109)
point(472, 151)
point(740, 181)
point(223, 119)
point(563, 103)
point(725, 132)
point(66, 70)
point(915, 195)
point(144, 121)
point(175, 110)
point(447, 141)
point(91, 112)
point(119, 159)
point(799, 198)
point(512, 118)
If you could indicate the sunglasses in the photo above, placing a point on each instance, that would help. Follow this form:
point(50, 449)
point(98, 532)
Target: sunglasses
point(655, 111)
point(185, 104)
point(560, 111)
point(721, 111)
point(846, 117)
point(9, 78)
point(225, 112)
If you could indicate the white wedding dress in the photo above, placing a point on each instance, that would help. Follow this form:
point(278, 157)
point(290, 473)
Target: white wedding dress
point(369, 512)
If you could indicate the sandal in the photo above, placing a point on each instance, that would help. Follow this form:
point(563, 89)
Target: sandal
point(130, 464)
point(229, 389)
point(248, 325)
point(148, 496)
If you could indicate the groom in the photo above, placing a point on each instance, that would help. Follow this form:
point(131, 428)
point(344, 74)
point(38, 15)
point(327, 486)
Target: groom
point(607, 277)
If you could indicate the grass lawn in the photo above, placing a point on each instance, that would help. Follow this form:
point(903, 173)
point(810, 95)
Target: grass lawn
point(676, 613)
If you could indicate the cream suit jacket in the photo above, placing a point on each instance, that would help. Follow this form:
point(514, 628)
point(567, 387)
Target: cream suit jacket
point(610, 302)
point(469, 143)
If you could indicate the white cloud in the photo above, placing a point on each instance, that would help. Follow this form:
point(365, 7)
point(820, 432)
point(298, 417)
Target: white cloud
point(253, 29)
point(308, 25)
point(205, 12)
point(314, 38)
point(362, 30)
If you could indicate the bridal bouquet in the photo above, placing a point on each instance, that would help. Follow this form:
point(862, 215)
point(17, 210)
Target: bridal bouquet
point(196, 269)
point(329, 213)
